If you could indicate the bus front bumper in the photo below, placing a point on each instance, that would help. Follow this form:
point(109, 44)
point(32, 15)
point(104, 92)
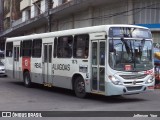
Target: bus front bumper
point(112, 89)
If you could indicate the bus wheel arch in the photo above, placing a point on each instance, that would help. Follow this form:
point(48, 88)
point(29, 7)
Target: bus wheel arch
point(27, 79)
point(78, 85)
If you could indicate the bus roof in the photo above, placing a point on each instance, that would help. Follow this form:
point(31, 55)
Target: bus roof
point(85, 30)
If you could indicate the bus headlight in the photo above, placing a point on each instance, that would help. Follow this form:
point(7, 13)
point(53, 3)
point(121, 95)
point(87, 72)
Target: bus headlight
point(114, 80)
point(150, 80)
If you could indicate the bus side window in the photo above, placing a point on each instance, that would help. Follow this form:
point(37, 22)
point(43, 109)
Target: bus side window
point(9, 49)
point(37, 48)
point(27, 48)
point(21, 46)
point(81, 46)
point(55, 48)
point(64, 48)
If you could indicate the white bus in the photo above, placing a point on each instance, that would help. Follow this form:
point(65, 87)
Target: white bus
point(108, 59)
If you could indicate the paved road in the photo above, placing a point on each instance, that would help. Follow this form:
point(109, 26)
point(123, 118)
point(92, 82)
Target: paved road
point(15, 97)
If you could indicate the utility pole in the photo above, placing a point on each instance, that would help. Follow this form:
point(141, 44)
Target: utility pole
point(49, 16)
point(1, 15)
point(11, 8)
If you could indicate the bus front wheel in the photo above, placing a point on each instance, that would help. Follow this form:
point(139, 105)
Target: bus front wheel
point(79, 87)
point(27, 80)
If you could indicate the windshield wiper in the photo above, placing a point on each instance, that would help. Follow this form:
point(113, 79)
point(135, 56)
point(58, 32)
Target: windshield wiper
point(126, 45)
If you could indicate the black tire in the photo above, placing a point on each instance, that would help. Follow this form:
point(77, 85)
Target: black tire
point(27, 80)
point(79, 87)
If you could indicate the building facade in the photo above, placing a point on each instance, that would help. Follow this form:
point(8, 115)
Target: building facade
point(1, 25)
point(23, 17)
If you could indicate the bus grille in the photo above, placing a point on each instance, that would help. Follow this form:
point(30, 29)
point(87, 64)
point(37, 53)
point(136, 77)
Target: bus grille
point(134, 88)
point(139, 76)
point(137, 82)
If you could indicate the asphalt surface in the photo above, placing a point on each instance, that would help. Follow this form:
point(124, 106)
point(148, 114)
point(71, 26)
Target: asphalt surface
point(15, 97)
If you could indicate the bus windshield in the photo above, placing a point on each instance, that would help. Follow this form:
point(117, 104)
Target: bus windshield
point(130, 54)
point(129, 32)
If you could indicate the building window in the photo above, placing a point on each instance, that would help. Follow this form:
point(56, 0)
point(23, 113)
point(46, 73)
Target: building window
point(27, 48)
point(65, 47)
point(9, 49)
point(6, 23)
point(37, 48)
point(28, 14)
point(38, 8)
point(50, 4)
point(81, 46)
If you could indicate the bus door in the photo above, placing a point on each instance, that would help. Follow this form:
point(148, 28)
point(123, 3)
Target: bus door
point(16, 69)
point(47, 63)
point(98, 65)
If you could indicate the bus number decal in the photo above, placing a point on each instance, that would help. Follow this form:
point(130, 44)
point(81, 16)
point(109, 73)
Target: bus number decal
point(26, 62)
point(74, 61)
point(37, 65)
point(64, 67)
